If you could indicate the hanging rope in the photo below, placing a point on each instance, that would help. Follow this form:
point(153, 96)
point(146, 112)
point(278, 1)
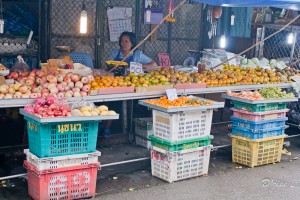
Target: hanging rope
point(258, 42)
point(137, 46)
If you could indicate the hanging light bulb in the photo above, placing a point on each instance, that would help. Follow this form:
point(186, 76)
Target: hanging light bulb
point(83, 20)
point(223, 41)
point(148, 14)
point(290, 38)
point(1, 19)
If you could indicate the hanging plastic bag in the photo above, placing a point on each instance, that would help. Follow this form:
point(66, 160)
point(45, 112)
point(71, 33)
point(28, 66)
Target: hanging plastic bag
point(21, 67)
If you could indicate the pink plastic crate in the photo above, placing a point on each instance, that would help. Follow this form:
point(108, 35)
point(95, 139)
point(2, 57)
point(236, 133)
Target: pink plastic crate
point(116, 90)
point(64, 183)
point(259, 116)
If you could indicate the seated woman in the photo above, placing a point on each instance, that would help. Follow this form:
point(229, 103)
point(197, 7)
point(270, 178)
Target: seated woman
point(127, 42)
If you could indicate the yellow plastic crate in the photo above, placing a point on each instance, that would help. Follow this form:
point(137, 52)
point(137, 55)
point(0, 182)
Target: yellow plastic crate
point(256, 152)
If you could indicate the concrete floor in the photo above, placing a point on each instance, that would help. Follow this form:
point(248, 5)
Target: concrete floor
point(226, 180)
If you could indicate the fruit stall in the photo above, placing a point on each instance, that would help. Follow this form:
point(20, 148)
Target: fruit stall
point(63, 103)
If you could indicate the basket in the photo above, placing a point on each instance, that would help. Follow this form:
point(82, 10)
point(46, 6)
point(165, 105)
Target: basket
point(141, 141)
point(258, 134)
point(259, 116)
point(143, 127)
point(65, 183)
point(182, 145)
point(260, 126)
point(174, 166)
point(256, 152)
point(61, 138)
point(175, 127)
point(261, 107)
point(61, 161)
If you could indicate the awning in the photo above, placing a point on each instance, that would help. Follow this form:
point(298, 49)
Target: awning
point(286, 4)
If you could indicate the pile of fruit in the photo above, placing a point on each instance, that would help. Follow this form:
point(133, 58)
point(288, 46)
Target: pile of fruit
point(92, 111)
point(265, 93)
point(246, 95)
point(274, 93)
point(40, 84)
point(180, 101)
point(49, 107)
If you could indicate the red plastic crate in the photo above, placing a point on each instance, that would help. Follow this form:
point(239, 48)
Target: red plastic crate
point(63, 183)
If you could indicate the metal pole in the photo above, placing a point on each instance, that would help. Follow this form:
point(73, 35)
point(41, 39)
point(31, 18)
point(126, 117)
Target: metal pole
point(131, 122)
point(124, 113)
point(124, 162)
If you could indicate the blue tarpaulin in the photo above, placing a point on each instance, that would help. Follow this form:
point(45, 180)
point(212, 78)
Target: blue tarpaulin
point(286, 4)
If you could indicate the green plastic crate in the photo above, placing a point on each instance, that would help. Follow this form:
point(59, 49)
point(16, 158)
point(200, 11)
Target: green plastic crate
point(182, 145)
point(61, 138)
point(261, 107)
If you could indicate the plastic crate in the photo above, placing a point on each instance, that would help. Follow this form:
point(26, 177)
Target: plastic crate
point(141, 141)
point(61, 161)
point(76, 182)
point(259, 116)
point(143, 127)
point(256, 152)
point(63, 138)
point(174, 166)
point(83, 58)
point(261, 107)
point(175, 127)
point(267, 124)
point(182, 145)
point(258, 134)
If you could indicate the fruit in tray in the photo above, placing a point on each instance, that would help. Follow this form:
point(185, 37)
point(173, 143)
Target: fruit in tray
point(246, 95)
point(49, 107)
point(274, 93)
point(180, 101)
point(92, 111)
point(264, 93)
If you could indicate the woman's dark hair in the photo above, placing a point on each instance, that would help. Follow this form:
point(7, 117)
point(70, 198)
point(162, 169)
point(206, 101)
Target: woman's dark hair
point(131, 36)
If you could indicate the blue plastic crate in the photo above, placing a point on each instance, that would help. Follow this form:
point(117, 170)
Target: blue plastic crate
point(250, 134)
point(63, 138)
point(266, 124)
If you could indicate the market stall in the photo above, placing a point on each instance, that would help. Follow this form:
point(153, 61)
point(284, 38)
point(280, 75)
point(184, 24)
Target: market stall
point(28, 87)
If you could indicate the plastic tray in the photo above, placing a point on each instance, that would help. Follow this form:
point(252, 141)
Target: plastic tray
point(258, 134)
point(263, 101)
point(256, 152)
point(175, 127)
point(68, 119)
point(266, 124)
point(61, 138)
point(259, 116)
point(182, 145)
point(214, 105)
point(78, 182)
point(61, 161)
point(179, 165)
point(142, 142)
point(258, 107)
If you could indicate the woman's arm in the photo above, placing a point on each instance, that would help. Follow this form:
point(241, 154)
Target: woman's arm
point(149, 65)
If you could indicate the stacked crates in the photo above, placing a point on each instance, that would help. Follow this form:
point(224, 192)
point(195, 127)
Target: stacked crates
point(258, 132)
point(62, 161)
point(143, 129)
point(180, 144)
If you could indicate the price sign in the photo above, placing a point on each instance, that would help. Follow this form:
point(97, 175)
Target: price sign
point(214, 62)
point(164, 60)
point(231, 55)
point(136, 68)
point(172, 94)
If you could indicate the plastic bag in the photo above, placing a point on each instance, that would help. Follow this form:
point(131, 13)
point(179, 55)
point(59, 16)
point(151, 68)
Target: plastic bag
point(79, 105)
point(20, 66)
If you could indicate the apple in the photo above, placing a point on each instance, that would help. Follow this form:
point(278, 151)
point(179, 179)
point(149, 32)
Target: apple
point(75, 78)
point(69, 74)
point(18, 95)
point(67, 88)
point(67, 79)
point(33, 95)
point(71, 85)
point(38, 81)
point(85, 80)
point(61, 87)
point(11, 90)
point(8, 96)
point(91, 78)
point(14, 75)
point(83, 93)
point(54, 90)
point(23, 89)
point(16, 86)
point(76, 94)
point(29, 82)
point(61, 95)
point(76, 89)
point(51, 85)
point(68, 93)
point(79, 84)
point(86, 88)
point(60, 78)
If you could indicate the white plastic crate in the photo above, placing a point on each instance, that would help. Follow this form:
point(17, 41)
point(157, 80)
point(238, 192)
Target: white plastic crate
point(175, 127)
point(61, 161)
point(179, 165)
point(140, 141)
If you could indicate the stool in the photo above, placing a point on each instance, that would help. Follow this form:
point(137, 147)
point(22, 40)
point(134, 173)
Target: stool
point(83, 58)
